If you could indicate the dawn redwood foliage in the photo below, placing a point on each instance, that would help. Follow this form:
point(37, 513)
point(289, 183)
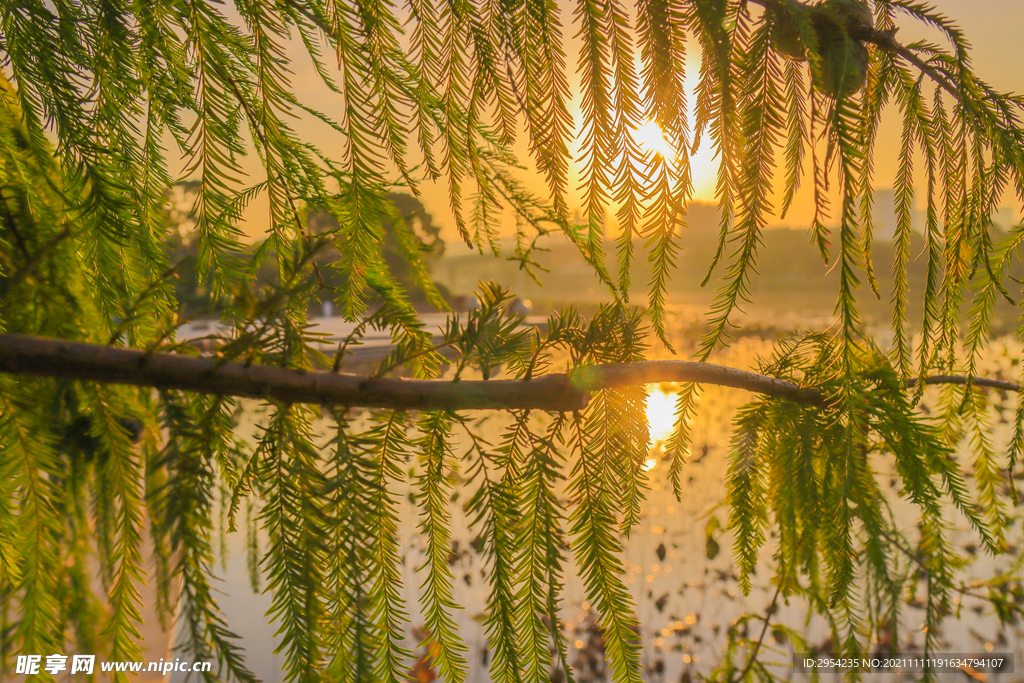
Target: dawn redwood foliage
point(99, 99)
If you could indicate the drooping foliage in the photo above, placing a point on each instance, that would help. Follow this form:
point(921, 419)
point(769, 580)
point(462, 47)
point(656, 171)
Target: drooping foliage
point(99, 99)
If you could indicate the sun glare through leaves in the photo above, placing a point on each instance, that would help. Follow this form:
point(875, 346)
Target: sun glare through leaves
point(652, 140)
point(703, 163)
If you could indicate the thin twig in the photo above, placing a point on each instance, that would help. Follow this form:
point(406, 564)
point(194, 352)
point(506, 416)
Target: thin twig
point(33, 262)
point(886, 41)
point(760, 640)
point(961, 588)
point(12, 225)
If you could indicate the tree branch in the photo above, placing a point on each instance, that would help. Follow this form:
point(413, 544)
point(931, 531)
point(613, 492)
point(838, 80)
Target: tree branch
point(617, 376)
point(20, 354)
point(883, 39)
point(973, 381)
point(43, 357)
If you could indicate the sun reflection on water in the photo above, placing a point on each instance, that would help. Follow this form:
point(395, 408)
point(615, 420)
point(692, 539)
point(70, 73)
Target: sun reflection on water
point(661, 414)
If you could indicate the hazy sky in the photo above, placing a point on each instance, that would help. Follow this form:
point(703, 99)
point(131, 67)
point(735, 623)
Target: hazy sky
point(995, 28)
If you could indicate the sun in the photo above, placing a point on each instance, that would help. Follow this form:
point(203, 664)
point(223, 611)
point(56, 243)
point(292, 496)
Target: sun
point(702, 164)
point(651, 138)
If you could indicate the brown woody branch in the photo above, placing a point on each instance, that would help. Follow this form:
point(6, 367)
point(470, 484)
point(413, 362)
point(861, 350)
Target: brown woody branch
point(43, 357)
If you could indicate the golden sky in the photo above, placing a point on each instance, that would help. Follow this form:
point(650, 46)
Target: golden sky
point(994, 28)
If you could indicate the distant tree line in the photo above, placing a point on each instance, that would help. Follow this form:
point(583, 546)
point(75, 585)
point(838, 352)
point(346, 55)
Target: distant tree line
point(193, 292)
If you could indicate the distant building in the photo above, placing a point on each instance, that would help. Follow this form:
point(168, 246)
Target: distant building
point(884, 216)
point(1005, 218)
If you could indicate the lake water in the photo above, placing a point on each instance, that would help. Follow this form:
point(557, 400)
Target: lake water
point(686, 599)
